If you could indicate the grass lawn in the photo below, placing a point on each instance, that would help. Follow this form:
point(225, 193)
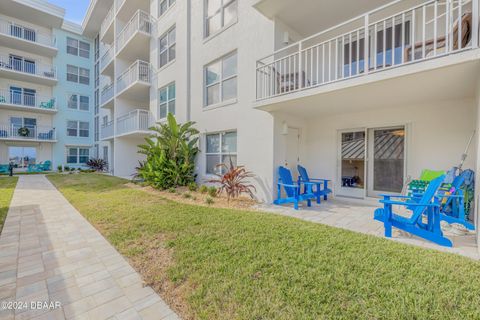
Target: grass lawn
point(7, 185)
point(227, 264)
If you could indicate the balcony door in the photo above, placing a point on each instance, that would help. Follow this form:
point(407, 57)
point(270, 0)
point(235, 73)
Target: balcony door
point(18, 123)
point(352, 163)
point(22, 64)
point(23, 96)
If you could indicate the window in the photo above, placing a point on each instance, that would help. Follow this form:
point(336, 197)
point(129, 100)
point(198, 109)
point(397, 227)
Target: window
point(77, 74)
point(76, 155)
point(219, 14)
point(78, 129)
point(23, 96)
point(23, 32)
point(164, 5)
point(78, 102)
point(167, 47)
point(221, 148)
point(166, 101)
point(78, 48)
point(221, 80)
point(22, 64)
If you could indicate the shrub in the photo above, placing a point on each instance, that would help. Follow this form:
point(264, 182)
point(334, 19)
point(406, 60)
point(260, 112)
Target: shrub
point(67, 168)
point(234, 181)
point(98, 164)
point(192, 186)
point(203, 189)
point(59, 168)
point(209, 200)
point(212, 192)
point(170, 155)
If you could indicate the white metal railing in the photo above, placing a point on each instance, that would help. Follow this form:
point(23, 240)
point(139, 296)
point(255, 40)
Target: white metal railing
point(107, 130)
point(27, 99)
point(136, 120)
point(107, 22)
point(27, 132)
point(107, 93)
point(106, 58)
point(27, 66)
point(387, 37)
point(138, 71)
point(140, 22)
point(18, 31)
point(119, 4)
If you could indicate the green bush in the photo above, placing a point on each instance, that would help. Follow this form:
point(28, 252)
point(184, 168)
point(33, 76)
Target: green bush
point(209, 200)
point(212, 192)
point(192, 186)
point(203, 189)
point(170, 155)
point(59, 168)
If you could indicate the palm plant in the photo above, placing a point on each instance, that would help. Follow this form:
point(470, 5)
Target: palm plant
point(233, 181)
point(170, 154)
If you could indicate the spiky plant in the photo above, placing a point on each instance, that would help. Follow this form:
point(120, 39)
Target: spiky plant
point(234, 181)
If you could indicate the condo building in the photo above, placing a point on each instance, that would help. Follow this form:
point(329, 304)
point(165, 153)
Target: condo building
point(46, 87)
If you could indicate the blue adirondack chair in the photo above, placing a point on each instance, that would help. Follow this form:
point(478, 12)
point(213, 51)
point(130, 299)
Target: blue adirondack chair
point(42, 166)
point(293, 191)
point(428, 205)
point(321, 189)
point(453, 211)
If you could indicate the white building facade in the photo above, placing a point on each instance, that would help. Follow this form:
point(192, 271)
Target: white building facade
point(365, 94)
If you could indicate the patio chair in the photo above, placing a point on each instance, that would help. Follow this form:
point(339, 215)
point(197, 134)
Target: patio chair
point(293, 190)
point(321, 189)
point(453, 210)
point(4, 168)
point(48, 105)
point(2, 99)
point(42, 166)
point(441, 42)
point(427, 205)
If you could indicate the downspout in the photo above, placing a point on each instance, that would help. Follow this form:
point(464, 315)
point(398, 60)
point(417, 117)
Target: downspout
point(189, 59)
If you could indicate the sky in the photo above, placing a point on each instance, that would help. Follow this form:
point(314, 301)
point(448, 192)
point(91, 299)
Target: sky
point(74, 9)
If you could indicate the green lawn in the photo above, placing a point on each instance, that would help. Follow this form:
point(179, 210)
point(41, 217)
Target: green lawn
point(229, 264)
point(7, 185)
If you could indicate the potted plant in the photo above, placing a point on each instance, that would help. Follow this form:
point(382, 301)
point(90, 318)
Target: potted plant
point(23, 132)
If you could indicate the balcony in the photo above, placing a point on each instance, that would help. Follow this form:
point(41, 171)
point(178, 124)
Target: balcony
point(107, 95)
point(22, 38)
point(107, 132)
point(106, 29)
point(27, 70)
point(14, 132)
point(12, 100)
point(134, 83)
point(385, 38)
point(125, 9)
point(134, 123)
point(133, 42)
point(106, 62)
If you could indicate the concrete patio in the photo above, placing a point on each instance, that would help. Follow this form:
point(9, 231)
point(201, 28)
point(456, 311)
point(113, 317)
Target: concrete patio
point(50, 253)
point(356, 215)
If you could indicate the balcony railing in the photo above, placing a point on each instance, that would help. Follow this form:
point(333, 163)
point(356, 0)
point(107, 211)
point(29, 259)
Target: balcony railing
point(107, 22)
point(119, 4)
point(107, 130)
point(107, 94)
point(106, 58)
point(18, 31)
point(387, 37)
point(140, 22)
point(18, 132)
point(28, 67)
point(138, 71)
point(28, 100)
point(134, 121)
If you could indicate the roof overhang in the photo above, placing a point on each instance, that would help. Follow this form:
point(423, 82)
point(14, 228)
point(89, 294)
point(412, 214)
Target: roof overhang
point(34, 11)
point(96, 12)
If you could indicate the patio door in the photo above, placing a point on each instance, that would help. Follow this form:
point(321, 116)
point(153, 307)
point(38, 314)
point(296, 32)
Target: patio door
point(22, 156)
point(386, 160)
point(352, 163)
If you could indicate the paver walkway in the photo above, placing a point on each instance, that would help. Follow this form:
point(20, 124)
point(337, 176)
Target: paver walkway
point(49, 252)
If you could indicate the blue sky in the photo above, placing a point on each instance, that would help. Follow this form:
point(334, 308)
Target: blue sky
point(74, 9)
